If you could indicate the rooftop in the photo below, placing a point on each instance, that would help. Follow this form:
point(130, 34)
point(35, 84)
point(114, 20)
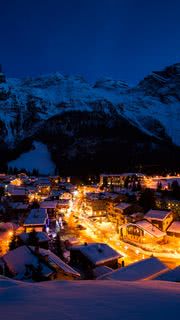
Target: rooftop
point(49, 204)
point(17, 192)
point(171, 275)
point(36, 217)
point(17, 259)
point(150, 228)
point(142, 270)
point(174, 227)
point(122, 205)
point(56, 261)
point(157, 214)
point(97, 253)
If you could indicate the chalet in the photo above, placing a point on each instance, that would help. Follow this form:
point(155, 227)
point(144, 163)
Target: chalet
point(174, 229)
point(101, 203)
point(89, 256)
point(111, 205)
point(51, 207)
point(121, 211)
point(36, 264)
point(141, 231)
point(159, 218)
point(63, 205)
point(96, 203)
point(146, 269)
point(43, 186)
point(37, 220)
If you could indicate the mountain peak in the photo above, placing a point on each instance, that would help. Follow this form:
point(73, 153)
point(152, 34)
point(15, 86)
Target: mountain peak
point(110, 84)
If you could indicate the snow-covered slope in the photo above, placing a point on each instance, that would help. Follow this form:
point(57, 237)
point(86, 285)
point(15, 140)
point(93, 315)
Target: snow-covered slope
point(33, 160)
point(87, 300)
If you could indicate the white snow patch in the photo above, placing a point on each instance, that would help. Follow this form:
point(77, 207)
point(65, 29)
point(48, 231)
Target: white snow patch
point(39, 158)
point(87, 300)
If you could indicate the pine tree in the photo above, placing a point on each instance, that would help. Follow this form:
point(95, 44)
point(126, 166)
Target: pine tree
point(13, 243)
point(175, 189)
point(147, 199)
point(59, 245)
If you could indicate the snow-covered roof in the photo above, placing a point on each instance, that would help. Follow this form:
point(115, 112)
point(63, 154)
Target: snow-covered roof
point(141, 270)
point(157, 214)
point(101, 300)
point(49, 204)
point(17, 259)
point(101, 270)
point(7, 226)
point(18, 192)
point(174, 227)
point(19, 205)
point(122, 205)
point(56, 261)
point(97, 253)
point(171, 275)
point(36, 217)
point(150, 228)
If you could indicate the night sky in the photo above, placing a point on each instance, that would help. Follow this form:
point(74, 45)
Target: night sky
point(124, 39)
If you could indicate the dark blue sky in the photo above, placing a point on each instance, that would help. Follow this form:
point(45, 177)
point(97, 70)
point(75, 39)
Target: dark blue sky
point(124, 39)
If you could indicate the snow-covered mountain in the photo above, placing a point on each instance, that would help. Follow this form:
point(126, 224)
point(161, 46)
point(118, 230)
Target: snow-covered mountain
point(74, 117)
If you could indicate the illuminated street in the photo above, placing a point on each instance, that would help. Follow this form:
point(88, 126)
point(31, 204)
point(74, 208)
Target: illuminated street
point(97, 229)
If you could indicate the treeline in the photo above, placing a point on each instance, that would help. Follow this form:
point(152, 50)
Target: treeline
point(15, 171)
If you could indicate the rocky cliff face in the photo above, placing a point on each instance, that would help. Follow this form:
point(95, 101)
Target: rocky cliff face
point(104, 126)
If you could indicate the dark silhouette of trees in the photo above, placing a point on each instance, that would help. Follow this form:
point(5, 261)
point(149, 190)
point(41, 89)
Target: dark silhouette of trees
point(175, 189)
point(147, 200)
point(14, 242)
point(59, 246)
point(35, 205)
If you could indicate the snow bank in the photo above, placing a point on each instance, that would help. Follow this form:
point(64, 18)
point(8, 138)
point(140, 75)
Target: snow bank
point(87, 300)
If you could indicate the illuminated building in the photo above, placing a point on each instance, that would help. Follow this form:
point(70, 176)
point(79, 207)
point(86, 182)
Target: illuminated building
point(142, 231)
point(159, 218)
point(37, 220)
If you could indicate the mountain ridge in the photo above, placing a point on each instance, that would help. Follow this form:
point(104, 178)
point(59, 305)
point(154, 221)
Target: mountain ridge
point(49, 106)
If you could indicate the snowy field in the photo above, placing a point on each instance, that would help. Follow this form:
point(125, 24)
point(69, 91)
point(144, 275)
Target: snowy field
point(38, 158)
point(88, 300)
